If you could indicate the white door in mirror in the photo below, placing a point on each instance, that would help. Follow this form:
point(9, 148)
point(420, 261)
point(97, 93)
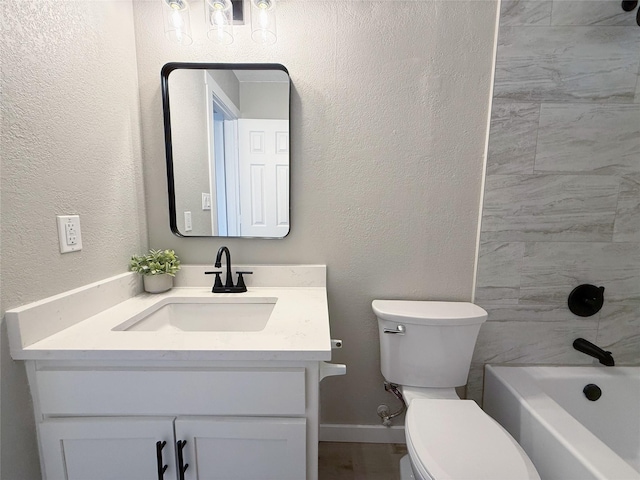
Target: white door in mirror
point(264, 177)
point(69, 233)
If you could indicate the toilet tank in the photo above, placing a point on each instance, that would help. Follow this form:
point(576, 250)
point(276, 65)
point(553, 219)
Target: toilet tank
point(436, 345)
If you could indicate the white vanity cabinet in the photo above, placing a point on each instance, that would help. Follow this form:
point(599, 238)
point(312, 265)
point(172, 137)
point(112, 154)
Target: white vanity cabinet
point(101, 448)
point(140, 448)
point(249, 448)
point(245, 400)
point(107, 420)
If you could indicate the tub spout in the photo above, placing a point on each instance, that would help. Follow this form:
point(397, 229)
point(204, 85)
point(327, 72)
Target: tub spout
point(585, 346)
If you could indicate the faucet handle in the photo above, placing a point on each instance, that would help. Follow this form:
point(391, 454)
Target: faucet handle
point(240, 285)
point(218, 281)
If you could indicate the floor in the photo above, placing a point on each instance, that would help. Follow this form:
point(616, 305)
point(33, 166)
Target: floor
point(360, 461)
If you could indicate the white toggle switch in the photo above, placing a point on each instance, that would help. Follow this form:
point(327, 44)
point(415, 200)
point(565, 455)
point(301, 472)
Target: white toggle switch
point(188, 226)
point(206, 201)
point(69, 234)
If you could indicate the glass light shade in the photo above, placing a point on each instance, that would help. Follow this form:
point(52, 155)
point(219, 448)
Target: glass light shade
point(219, 17)
point(263, 21)
point(177, 21)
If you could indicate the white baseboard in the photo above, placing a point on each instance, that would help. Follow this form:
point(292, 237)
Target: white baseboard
point(361, 433)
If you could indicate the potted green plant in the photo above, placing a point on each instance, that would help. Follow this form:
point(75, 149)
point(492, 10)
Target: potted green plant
point(158, 267)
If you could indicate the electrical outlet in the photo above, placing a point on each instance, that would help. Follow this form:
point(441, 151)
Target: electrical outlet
point(187, 222)
point(69, 234)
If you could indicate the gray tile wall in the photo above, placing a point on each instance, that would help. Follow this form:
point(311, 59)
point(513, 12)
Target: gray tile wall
point(562, 193)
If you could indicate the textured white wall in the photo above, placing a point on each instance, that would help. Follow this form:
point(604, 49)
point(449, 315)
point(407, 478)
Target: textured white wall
point(389, 116)
point(70, 143)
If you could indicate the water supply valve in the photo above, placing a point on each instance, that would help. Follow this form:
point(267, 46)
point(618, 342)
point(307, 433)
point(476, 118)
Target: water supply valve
point(384, 412)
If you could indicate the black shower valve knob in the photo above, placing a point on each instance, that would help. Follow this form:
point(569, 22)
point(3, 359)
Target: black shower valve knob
point(629, 6)
point(586, 300)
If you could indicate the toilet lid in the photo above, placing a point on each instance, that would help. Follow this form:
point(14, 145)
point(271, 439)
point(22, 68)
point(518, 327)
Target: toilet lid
point(455, 439)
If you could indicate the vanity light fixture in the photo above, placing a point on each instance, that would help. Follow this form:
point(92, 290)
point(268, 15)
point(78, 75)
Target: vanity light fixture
point(219, 17)
point(177, 22)
point(263, 21)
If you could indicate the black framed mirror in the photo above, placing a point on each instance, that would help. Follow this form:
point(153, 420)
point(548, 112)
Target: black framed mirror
point(226, 130)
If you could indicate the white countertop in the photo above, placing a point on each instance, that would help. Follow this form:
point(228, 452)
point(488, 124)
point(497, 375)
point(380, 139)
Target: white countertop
point(297, 330)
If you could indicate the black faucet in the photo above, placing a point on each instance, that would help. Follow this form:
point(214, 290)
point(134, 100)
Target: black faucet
point(229, 281)
point(228, 286)
point(585, 346)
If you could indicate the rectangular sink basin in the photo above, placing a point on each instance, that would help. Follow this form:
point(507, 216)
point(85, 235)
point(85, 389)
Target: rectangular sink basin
point(191, 315)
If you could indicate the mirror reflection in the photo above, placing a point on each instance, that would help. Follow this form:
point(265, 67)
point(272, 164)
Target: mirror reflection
point(227, 145)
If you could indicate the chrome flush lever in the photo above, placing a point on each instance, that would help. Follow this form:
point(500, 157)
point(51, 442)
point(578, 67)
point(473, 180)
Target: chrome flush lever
point(400, 330)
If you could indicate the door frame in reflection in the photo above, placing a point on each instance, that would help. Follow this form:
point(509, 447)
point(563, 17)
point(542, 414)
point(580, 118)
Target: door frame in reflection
point(222, 128)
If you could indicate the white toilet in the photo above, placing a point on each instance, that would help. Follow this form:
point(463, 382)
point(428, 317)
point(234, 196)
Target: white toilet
point(426, 348)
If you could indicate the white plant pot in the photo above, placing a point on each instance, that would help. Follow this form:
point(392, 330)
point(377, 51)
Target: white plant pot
point(157, 283)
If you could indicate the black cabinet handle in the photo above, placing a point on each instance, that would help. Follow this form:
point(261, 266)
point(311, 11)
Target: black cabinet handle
point(161, 466)
point(182, 467)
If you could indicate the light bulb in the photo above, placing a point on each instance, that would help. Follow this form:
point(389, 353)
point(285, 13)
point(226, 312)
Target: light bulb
point(177, 23)
point(177, 4)
point(176, 20)
point(263, 21)
point(219, 15)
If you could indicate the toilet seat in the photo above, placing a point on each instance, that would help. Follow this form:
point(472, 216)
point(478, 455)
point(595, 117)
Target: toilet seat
point(456, 440)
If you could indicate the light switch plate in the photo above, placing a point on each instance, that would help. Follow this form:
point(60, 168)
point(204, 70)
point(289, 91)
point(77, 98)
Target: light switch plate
point(187, 222)
point(69, 234)
point(206, 201)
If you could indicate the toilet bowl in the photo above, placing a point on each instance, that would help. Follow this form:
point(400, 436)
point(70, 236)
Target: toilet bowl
point(455, 439)
point(426, 348)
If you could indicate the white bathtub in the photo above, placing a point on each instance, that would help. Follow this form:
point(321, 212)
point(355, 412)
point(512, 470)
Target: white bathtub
point(565, 435)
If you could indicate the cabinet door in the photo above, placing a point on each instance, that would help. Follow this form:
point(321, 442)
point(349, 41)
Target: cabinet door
point(106, 448)
point(234, 448)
